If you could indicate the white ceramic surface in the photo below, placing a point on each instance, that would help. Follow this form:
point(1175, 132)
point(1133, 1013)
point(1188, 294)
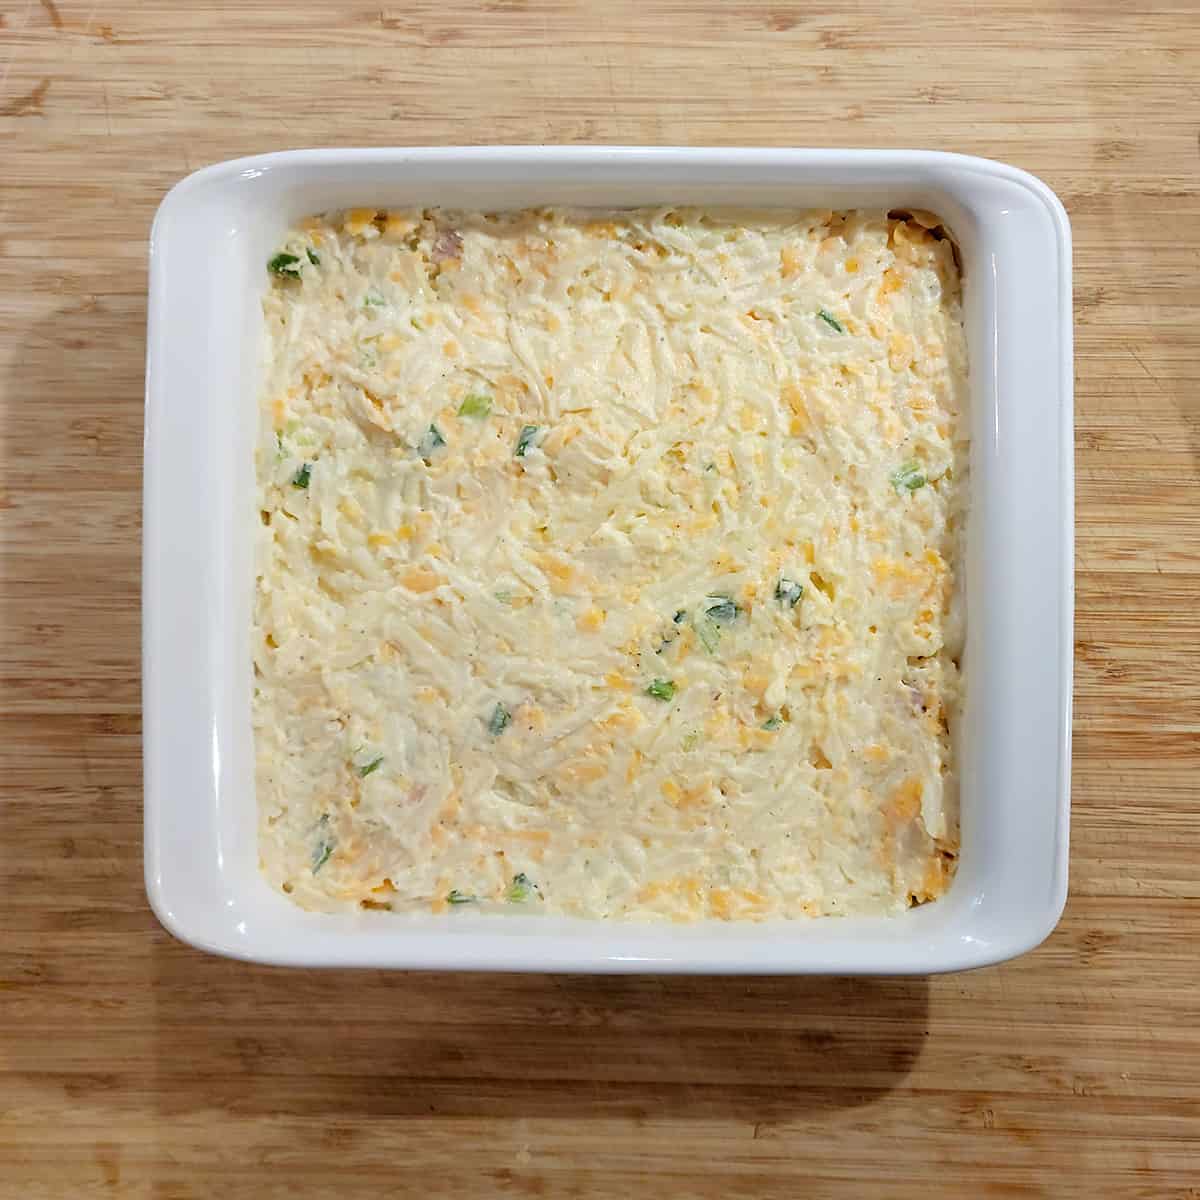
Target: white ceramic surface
point(210, 241)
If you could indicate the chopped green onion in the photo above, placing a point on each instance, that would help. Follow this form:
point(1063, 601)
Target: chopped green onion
point(430, 442)
point(709, 634)
point(373, 299)
point(772, 723)
point(505, 597)
point(831, 320)
point(908, 478)
point(454, 896)
point(302, 476)
point(325, 845)
point(414, 323)
point(525, 440)
point(475, 405)
point(280, 452)
point(499, 720)
point(521, 888)
point(661, 689)
point(373, 765)
point(692, 740)
point(285, 265)
point(721, 609)
point(312, 258)
point(788, 592)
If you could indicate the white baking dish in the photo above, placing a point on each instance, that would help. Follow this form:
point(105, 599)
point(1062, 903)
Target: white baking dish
point(210, 241)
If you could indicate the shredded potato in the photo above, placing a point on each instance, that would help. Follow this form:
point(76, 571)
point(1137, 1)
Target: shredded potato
point(608, 562)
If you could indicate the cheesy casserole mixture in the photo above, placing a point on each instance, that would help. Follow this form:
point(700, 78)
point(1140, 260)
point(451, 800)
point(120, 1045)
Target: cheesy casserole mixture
point(608, 563)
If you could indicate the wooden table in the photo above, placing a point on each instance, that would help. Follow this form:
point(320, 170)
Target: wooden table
point(131, 1066)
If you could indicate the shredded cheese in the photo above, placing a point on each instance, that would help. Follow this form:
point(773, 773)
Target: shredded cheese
point(612, 554)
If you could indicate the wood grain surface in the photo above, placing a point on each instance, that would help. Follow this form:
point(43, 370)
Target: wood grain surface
point(132, 1066)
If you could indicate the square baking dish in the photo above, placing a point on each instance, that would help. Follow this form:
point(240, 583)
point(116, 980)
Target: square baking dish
point(210, 239)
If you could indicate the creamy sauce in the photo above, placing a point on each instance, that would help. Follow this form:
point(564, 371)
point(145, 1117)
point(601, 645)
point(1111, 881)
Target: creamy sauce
point(608, 562)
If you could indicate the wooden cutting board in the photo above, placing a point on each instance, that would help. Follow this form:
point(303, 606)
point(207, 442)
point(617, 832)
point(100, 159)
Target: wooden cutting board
point(131, 1066)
